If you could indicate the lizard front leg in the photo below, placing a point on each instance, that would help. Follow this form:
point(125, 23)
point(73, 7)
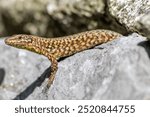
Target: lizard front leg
point(54, 68)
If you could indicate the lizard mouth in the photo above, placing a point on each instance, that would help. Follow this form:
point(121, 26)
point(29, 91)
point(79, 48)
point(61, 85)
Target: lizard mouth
point(6, 41)
point(13, 42)
point(10, 40)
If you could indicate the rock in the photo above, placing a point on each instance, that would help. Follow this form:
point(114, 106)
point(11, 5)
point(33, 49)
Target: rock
point(143, 25)
point(53, 18)
point(134, 14)
point(115, 70)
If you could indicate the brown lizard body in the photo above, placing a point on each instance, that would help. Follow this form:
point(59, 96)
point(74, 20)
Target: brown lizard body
point(55, 48)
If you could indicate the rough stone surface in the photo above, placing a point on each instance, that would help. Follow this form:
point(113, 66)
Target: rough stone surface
point(143, 25)
point(53, 18)
point(134, 14)
point(115, 70)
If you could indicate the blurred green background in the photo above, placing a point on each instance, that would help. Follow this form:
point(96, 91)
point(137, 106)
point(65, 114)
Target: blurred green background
point(53, 18)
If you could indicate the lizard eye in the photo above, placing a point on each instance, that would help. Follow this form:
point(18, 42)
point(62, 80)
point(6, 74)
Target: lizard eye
point(19, 37)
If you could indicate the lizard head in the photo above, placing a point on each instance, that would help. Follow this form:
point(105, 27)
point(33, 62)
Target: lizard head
point(23, 41)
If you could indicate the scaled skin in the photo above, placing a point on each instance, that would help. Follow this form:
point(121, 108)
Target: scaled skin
point(55, 48)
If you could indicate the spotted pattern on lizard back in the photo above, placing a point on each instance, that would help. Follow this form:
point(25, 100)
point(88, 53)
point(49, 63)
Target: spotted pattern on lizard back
point(56, 48)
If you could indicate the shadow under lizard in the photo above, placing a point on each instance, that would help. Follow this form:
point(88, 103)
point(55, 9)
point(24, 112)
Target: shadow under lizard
point(56, 48)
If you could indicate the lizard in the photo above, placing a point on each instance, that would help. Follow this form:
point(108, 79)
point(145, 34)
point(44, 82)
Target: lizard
point(58, 47)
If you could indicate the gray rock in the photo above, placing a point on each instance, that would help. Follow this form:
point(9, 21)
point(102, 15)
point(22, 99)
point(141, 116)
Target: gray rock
point(115, 70)
point(143, 25)
point(134, 14)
